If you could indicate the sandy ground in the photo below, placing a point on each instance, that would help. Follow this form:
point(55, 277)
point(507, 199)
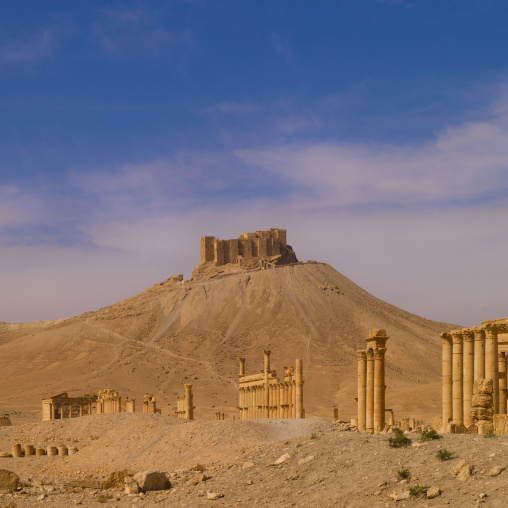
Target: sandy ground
point(328, 464)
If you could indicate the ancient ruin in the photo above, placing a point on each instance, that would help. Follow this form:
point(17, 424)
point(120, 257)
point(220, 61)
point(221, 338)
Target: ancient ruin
point(482, 408)
point(471, 355)
point(371, 383)
point(185, 408)
point(262, 248)
point(129, 406)
point(109, 401)
point(150, 404)
point(62, 406)
point(264, 396)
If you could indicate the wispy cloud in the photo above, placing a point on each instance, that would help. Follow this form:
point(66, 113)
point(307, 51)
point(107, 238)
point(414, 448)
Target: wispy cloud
point(30, 48)
point(135, 31)
point(283, 48)
point(235, 108)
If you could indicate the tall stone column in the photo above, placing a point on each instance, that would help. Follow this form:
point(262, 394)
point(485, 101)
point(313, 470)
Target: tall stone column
point(447, 379)
point(189, 407)
point(468, 344)
point(479, 352)
point(491, 362)
point(293, 411)
point(457, 377)
point(299, 388)
point(379, 390)
point(267, 387)
point(362, 389)
point(369, 417)
point(52, 411)
point(502, 383)
point(242, 367)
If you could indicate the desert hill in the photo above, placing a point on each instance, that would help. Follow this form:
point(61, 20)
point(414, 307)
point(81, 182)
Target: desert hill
point(193, 332)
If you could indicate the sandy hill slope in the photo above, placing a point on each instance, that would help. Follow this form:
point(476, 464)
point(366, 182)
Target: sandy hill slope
point(193, 332)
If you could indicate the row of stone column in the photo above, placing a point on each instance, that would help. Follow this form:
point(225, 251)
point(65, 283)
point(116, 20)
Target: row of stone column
point(84, 409)
point(371, 383)
point(470, 354)
point(266, 397)
point(184, 404)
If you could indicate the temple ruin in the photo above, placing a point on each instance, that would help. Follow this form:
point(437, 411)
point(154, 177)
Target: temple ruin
point(470, 355)
point(264, 396)
point(185, 408)
point(109, 401)
point(150, 404)
point(371, 383)
point(262, 248)
point(62, 406)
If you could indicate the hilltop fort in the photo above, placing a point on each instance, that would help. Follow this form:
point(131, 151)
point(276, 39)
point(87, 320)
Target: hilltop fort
point(249, 250)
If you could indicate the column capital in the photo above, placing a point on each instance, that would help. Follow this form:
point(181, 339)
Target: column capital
point(267, 353)
point(188, 386)
point(370, 354)
point(362, 355)
point(456, 336)
point(479, 333)
point(491, 330)
point(379, 353)
point(377, 338)
point(447, 338)
point(467, 334)
point(241, 359)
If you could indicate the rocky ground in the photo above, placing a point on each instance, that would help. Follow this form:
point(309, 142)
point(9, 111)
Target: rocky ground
point(312, 462)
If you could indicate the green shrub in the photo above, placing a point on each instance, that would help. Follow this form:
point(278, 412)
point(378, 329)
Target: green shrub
point(444, 454)
point(430, 434)
point(103, 498)
point(398, 439)
point(403, 474)
point(313, 436)
point(489, 434)
point(418, 490)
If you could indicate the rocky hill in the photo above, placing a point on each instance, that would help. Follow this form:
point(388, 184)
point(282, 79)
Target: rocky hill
point(193, 332)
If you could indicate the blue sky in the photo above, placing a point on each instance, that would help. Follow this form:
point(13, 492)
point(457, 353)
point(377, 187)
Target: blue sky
point(374, 131)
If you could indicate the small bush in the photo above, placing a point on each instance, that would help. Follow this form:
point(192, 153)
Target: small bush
point(313, 436)
point(399, 439)
point(489, 434)
point(103, 498)
point(430, 434)
point(418, 490)
point(444, 454)
point(403, 474)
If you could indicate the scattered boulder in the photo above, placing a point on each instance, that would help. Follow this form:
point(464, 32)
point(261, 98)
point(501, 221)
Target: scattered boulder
point(433, 492)
point(212, 496)
point(152, 480)
point(306, 459)
point(5, 455)
point(283, 458)
point(247, 465)
point(400, 497)
point(496, 470)
point(116, 479)
point(9, 481)
point(462, 471)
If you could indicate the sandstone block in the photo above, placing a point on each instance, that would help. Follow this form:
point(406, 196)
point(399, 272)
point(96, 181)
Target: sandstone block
point(63, 450)
point(501, 425)
point(131, 485)
point(40, 451)
point(401, 497)
point(433, 492)
point(52, 451)
point(17, 451)
point(462, 471)
point(306, 459)
point(116, 479)
point(9, 481)
point(152, 480)
point(247, 465)
point(4, 455)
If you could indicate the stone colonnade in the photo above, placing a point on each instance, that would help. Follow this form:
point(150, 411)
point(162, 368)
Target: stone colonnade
point(264, 396)
point(470, 354)
point(371, 383)
point(185, 408)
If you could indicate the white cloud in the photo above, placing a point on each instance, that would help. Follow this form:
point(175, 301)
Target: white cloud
point(31, 48)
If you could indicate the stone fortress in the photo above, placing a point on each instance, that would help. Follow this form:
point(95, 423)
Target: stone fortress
point(262, 248)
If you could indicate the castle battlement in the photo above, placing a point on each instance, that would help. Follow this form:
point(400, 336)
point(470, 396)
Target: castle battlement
point(248, 248)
